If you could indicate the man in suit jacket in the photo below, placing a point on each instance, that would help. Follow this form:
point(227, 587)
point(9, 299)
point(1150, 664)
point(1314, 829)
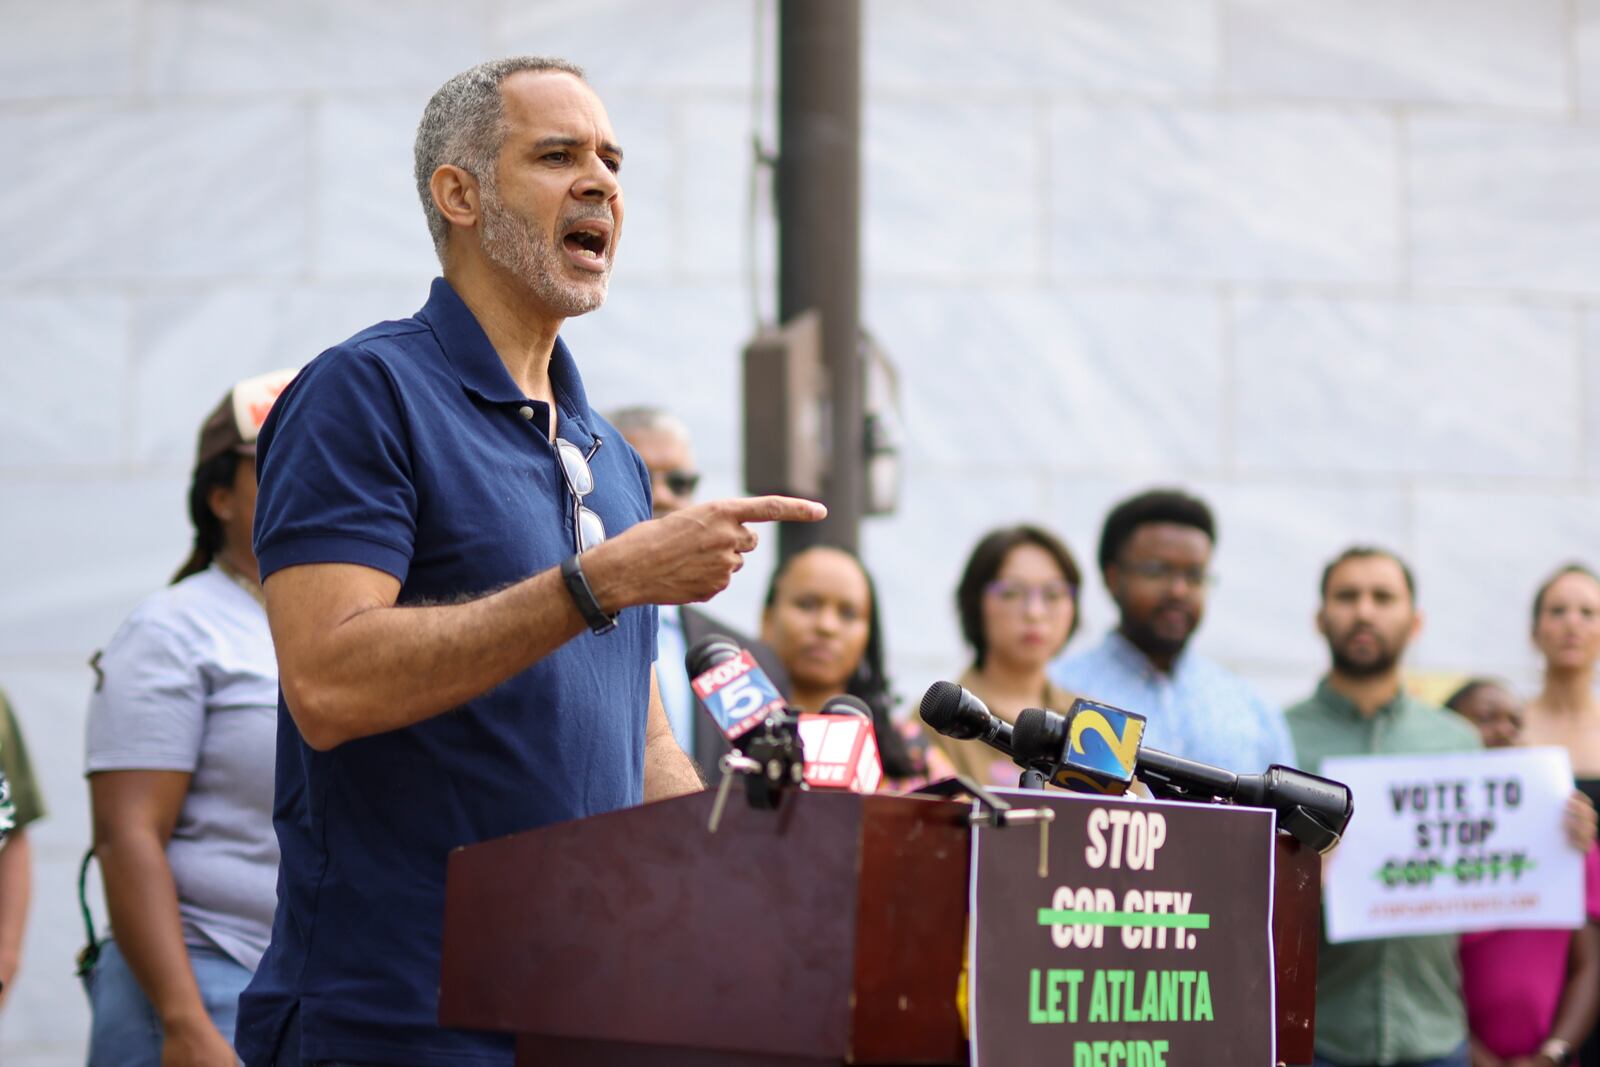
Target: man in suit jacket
point(662, 441)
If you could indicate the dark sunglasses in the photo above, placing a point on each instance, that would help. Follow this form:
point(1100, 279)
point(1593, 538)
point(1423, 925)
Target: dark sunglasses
point(681, 482)
point(587, 526)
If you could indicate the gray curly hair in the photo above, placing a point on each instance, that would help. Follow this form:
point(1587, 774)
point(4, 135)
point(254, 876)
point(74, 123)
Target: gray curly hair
point(464, 126)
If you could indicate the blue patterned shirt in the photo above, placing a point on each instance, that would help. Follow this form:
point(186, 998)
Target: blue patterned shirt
point(1199, 711)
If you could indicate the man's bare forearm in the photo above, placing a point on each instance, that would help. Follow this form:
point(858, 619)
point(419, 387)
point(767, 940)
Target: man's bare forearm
point(385, 666)
point(353, 663)
point(668, 770)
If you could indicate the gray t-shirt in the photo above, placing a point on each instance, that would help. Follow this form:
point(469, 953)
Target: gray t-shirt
point(190, 683)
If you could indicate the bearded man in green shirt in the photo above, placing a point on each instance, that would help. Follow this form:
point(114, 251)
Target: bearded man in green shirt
point(1395, 1001)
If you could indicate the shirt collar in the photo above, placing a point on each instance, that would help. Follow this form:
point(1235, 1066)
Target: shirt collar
point(1127, 655)
point(480, 368)
point(1331, 698)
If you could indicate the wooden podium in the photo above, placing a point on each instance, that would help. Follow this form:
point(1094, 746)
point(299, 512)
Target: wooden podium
point(831, 931)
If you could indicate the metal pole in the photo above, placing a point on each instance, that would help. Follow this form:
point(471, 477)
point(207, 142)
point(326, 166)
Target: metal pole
point(819, 233)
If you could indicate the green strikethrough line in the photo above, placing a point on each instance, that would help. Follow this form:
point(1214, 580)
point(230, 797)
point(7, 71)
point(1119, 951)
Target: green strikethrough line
point(1052, 917)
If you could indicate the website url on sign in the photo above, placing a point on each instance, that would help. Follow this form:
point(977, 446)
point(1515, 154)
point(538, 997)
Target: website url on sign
point(1396, 909)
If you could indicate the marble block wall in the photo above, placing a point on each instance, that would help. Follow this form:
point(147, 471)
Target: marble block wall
point(1329, 263)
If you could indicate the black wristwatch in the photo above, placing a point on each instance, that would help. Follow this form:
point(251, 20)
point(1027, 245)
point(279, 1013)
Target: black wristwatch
point(583, 596)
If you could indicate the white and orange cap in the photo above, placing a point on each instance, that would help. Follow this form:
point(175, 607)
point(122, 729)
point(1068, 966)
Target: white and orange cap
point(234, 424)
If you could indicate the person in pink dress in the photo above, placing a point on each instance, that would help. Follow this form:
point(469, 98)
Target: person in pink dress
point(1532, 995)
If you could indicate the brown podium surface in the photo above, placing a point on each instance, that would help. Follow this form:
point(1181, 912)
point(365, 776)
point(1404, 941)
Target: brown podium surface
point(831, 931)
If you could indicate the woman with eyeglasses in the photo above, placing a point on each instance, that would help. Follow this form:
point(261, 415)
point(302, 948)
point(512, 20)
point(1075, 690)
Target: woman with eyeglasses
point(181, 741)
point(821, 618)
point(1018, 602)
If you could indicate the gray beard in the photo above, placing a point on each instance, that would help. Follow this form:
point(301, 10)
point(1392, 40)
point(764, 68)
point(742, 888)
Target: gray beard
point(532, 258)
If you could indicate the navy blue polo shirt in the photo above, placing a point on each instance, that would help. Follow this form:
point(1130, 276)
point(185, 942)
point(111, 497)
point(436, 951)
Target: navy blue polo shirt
point(407, 449)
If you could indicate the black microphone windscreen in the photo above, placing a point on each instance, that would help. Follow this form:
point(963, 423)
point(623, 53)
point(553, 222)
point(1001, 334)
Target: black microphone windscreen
point(709, 651)
point(846, 704)
point(940, 705)
point(1035, 738)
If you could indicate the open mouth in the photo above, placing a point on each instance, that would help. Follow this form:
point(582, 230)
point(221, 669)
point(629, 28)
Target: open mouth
point(587, 242)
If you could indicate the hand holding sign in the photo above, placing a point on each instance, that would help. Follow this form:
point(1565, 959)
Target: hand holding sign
point(1446, 844)
point(1578, 820)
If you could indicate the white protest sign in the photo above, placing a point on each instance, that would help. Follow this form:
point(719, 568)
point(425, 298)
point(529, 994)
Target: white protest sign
point(1449, 843)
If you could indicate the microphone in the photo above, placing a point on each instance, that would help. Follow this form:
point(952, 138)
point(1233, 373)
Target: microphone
point(1183, 778)
point(1314, 810)
point(1058, 746)
point(954, 712)
point(753, 717)
point(1107, 768)
point(731, 685)
point(841, 747)
point(846, 704)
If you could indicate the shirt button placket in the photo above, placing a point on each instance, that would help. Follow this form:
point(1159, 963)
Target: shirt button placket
point(1385, 1006)
point(1373, 729)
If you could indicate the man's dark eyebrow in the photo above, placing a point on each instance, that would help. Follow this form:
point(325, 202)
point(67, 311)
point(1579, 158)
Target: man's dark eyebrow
point(563, 141)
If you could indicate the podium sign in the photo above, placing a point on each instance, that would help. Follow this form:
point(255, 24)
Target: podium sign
point(1147, 942)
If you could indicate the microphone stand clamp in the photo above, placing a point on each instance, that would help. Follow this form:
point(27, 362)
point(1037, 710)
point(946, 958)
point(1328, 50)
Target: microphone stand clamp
point(771, 761)
point(990, 810)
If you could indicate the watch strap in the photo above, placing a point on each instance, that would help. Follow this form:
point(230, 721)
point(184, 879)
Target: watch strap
point(584, 598)
point(1557, 1051)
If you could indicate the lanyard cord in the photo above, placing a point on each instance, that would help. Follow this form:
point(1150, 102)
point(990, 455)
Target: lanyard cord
point(91, 949)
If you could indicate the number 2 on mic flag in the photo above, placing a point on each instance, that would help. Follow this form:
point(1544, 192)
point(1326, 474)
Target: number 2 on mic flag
point(738, 694)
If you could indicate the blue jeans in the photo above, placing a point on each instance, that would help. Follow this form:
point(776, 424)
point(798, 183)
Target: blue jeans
point(1458, 1058)
point(125, 1031)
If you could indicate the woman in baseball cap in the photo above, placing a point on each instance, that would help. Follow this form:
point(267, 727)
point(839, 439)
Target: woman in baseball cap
point(181, 736)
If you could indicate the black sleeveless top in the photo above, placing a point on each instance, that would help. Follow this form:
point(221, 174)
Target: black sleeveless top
point(1589, 1055)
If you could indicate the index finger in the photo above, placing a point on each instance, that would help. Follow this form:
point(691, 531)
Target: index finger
point(775, 509)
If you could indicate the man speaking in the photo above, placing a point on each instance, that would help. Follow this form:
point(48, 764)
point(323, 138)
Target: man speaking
point(459, 571)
